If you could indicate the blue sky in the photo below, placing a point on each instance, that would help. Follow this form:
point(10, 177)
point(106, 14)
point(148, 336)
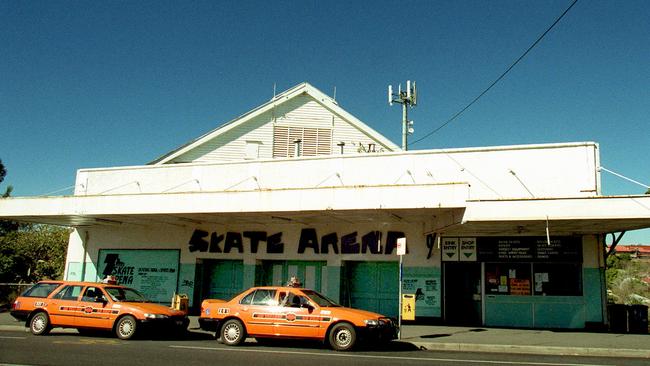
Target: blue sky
point(87, 84)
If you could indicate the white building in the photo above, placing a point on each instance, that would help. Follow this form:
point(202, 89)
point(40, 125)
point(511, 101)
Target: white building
point(298, 186)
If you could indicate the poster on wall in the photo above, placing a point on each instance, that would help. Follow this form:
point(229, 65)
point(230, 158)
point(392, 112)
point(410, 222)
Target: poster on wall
point(426, 289)
point(152, 272)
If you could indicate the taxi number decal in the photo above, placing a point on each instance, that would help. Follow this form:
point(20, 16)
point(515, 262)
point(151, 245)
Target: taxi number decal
point(39, 304)
point(223, 311)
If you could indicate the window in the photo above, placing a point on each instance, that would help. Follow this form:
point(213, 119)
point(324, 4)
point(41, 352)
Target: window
point(293, 301)
point(508, 278)
point(246, 300)
point(41, 290)
point(558, 279)
point(92, 294)
point(125, 294)
point(264, 297)
point(253, 150)
point(313, 141)
point(69, 293)
point(548, 279)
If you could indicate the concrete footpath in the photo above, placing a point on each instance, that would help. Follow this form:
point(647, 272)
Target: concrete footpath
point(481, 339)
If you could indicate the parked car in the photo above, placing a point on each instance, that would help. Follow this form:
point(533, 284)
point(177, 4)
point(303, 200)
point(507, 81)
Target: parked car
point(91, 306)
point(288, 312)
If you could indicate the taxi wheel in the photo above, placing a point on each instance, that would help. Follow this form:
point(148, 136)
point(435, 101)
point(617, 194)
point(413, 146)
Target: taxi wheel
point(233, 332)
point(342, 337)
point(125, 327)
point(40, 324)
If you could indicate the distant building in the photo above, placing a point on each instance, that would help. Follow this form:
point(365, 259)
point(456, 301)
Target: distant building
point(635, 251)
point(496, 236)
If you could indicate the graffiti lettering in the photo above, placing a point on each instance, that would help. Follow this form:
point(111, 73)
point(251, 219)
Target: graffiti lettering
point(371, 242)
point(234, 241)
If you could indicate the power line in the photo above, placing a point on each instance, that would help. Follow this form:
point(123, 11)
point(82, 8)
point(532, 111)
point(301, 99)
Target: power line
point(499, 78)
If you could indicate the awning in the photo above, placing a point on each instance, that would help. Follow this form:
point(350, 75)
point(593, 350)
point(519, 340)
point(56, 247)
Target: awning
point(563, 216)
point(381, 203)
point(440, 207)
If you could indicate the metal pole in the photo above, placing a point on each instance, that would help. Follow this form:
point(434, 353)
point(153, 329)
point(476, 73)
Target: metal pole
point(399, 316)
point(404, 125)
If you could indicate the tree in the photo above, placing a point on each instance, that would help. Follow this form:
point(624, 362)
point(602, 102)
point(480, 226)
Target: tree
point(29, 252)
point(33, 253)
point(3, 171)
point(6, 226)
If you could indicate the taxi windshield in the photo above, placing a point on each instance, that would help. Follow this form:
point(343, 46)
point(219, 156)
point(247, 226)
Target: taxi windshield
point(319, 299)
point(125, 294)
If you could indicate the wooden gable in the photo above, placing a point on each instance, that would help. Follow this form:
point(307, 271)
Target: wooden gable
point(301, 120)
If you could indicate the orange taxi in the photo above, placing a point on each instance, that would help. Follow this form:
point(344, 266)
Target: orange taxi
point(289, 312)
point(92, 306)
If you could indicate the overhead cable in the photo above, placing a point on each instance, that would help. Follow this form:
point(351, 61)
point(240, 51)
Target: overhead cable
point(497, 79)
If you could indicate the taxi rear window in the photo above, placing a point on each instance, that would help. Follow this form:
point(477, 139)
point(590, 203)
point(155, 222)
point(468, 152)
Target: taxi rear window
point(41, 290)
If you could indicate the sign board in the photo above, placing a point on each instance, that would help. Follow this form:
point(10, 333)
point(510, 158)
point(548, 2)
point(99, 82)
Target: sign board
point(449, 249)
point(529, 249)
point(408, 307)
point(467, 250)
point(424, 283)
point(401, 246)
point(152, 272)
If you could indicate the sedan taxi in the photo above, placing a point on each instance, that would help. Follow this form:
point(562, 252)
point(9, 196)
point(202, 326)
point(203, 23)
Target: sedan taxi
point(92, 306)
point(288, 312)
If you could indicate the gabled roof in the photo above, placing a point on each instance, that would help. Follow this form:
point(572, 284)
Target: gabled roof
point(300, 89)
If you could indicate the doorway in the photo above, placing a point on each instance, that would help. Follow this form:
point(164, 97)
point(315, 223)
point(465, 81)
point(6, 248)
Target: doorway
point(277, 273)
point(462, 293)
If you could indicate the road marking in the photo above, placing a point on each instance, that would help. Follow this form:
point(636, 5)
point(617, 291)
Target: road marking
point(85, 342)
point(7, 337)
point(498, 362)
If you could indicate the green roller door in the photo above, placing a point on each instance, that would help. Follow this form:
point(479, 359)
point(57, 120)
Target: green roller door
point(222, 279)
point(372, 286)
point(278, 273)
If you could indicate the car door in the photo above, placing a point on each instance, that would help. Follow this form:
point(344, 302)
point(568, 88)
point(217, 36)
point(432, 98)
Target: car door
point(95, 309)
point(259, 311)
point(64, 306)
point(299, 315)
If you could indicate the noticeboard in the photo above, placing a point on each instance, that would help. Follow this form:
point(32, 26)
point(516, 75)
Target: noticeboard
point(152, 272)
point(529, 249)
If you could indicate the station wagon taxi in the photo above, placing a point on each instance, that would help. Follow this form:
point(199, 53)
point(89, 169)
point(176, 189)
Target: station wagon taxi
point(90, 306)
point(289, 312)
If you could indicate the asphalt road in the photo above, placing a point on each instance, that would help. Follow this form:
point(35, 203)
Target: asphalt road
point(17, 348)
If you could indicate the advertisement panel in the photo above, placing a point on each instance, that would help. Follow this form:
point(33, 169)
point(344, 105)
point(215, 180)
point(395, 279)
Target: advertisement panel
point(152, 272)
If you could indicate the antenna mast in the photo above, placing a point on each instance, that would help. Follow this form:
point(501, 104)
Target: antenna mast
point(407, 98)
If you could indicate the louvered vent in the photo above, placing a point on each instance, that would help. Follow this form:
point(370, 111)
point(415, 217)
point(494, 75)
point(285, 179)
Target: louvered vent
point(315, 141)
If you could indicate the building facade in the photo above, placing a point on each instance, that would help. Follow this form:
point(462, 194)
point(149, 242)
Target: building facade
point(496, 236)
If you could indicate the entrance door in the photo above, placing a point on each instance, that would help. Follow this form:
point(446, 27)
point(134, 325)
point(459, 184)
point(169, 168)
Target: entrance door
point(372, 286)
point(222, 279)
point(278, 273)
point(462, 293)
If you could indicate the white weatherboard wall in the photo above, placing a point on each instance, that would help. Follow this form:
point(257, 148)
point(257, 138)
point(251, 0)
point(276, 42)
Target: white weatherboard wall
point(301, 111)
point(540, 171)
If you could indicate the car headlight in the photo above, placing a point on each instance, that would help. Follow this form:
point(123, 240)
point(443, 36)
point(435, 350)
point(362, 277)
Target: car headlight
point(155, 316)
point(371, 322)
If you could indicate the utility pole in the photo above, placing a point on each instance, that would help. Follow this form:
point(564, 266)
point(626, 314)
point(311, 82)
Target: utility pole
point(408, 99)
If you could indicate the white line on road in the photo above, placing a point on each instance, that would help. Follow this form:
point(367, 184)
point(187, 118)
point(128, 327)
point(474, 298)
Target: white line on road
point(7, 337)
point(499, 362)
